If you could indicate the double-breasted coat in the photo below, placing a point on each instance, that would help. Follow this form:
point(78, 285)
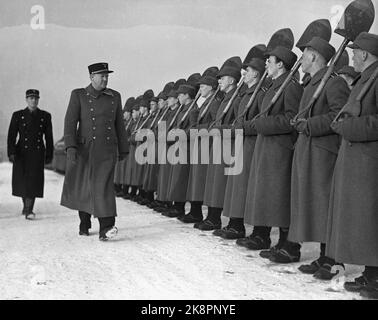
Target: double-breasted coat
point(216, 179)
point(30, 141)
point(236, 189)
point(268, 193)
point(94, 126)
point(352, 231)
point(197, 172)
point(314, 160)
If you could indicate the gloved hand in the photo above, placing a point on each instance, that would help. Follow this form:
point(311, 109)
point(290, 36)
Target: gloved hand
point(48, 160)
point(301, 126)
point(12, 158)
point(71, 155)
point(122, 156)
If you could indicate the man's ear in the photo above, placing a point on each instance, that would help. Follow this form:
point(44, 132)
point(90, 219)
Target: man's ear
point(365, 55)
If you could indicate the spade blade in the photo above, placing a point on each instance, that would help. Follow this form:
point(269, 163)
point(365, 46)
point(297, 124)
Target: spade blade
point(358, 17)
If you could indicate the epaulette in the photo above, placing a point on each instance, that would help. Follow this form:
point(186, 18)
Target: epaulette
point(294, 80)
point(264, 89)
point(334, 75)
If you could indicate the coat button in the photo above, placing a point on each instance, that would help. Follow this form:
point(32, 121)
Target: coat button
point(94, 128)
point(107, 138)
point(26, 139)
point(93, 119)
point(91, 109)
point(26, 147)
point(39, 140)
point(94, 138)
point(42, 119)
point(109, 128)
point(41, 126)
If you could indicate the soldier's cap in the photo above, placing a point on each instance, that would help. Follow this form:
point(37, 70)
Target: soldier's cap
point(209, 80)
point(101, 67)
point(173, 92)
point(231, 71)
point(322, 46)
point(212, 71)
point(129, 104)
point(187, 88)
point(154, 99)
point(256, 64)
point(348, 70)
point(148, 95)
point(32, 93)
point(285, 55)
point(367, 42)
point(162, 95)
point(144, 103)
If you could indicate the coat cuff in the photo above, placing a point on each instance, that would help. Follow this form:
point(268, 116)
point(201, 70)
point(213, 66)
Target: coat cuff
point(70, 141)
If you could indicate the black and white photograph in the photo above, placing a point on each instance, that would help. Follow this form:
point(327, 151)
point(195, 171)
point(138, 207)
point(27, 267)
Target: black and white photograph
point(189, 150)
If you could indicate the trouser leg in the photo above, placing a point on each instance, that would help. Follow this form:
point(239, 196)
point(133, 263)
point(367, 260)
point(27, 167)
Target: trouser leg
point(85, 221)
point(28, 205)
point(106, 224)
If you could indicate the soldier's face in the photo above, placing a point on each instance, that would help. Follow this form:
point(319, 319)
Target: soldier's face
point(172, 101)
point(205, 90)
point(358, 59)
point(225, 82)
point(272, 67)
point(135, 114)
point(99, 81)
point(250, 75)
point(161, 103)
point(32, 102)
point(153, 106)
point(183, 98)
point(126, 115)
point(307, 60)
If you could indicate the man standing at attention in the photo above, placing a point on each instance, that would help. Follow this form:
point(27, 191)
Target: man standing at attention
point(29, 153)
point(93, 131)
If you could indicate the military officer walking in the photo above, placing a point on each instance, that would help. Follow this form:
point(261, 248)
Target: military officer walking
point(93, 130)
point(29, 152)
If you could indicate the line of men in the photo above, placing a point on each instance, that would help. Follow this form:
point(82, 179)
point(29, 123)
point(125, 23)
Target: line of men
point(315, 179)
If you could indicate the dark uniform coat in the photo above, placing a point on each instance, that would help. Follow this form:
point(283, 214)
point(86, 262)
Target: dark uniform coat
point(314, 160)
point(352, 233)
point(197, 172)
point(94, 126)
point(268, 193)
point(30, 151)
point(151, 171)
point(138, 172)
point(236, 189)
point(130, 158)
point(179, 176)
point(164, 168)
point(216, 179)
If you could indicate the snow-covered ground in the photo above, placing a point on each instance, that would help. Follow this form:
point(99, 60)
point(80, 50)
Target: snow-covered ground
point(153, 257)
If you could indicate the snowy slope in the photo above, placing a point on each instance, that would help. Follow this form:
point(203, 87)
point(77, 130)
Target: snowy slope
point(153, 258)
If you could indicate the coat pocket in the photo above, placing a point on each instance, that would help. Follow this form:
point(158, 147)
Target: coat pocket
point(330, 143)
point(370, 149)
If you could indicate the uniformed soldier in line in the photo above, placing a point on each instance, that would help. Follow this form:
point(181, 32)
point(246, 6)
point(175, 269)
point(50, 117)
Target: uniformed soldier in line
point(236, 189)
point(137, 174)
point(154, 169)
point(178, 180)
point(165, 168)
point(314, 160)
point(353, 220)
point(121, 165)
point(349, 75)
point(268, 193)
point(197, 172)
point(130, 191)
point(29, 152)
point(93, 131)
point(216, 180)
point(147, 184)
